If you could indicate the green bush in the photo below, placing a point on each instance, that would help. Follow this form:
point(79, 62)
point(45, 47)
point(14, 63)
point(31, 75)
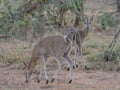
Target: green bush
point(94, 50)
point(106, 19)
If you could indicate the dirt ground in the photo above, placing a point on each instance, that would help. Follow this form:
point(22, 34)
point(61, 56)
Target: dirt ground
point(13, 79)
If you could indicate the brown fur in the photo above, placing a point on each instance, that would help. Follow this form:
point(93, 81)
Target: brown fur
point(77, 36)
point(52, 46)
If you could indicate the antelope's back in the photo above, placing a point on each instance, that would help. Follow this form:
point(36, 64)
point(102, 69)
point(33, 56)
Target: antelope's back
point(52, 45)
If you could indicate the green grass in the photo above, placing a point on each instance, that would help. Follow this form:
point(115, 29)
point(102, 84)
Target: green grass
point(14, 53)
point(94, 49)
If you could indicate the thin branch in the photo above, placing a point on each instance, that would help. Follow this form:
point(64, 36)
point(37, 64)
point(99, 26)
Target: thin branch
point(112, 44)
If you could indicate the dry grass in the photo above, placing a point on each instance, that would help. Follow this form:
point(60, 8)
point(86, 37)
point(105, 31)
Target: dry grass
point(94, 48)
point(14, 53)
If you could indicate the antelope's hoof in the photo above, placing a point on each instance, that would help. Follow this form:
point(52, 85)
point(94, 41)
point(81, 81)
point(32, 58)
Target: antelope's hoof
point(53, 80)
point(38, 81)
point(70, 81)
point(87, 68)
point(47, 81)
point(68, 69)
point(73, 67)
point(26, 81)
point(76, 66)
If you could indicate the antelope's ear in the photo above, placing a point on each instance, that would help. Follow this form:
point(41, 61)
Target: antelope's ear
point(94, 15)
point(83, 17)
point(92, 18)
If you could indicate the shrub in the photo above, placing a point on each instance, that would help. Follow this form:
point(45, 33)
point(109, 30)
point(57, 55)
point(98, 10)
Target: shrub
point(106, 20)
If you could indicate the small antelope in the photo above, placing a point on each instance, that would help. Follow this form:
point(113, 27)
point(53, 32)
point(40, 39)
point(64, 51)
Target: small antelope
point(52, 46)
point(72, 34)
point(78, 35)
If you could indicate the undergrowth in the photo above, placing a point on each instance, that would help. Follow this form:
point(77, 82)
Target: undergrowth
point(14, 54)
point(105, 20)
point(94, 50)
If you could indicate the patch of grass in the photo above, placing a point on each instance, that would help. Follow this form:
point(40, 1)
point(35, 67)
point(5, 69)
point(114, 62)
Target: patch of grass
point(94, 50)
point(93, 44)
point(96, 61)
point(14, 54)
point(93, 57)
point(105, 20)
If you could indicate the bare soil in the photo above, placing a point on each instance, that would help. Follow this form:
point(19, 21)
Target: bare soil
point(13, 79)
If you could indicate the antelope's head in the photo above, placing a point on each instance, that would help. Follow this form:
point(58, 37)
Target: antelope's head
point(87, 22)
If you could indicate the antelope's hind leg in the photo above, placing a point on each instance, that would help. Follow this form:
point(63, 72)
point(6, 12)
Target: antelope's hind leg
point(59, 61)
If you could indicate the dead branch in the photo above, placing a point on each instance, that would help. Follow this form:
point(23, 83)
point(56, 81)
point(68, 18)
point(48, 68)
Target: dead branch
point(112, 44)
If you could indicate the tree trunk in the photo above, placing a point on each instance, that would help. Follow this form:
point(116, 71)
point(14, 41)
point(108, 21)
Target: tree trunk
point(112, 45)
point(80, 13)
point(118, 5)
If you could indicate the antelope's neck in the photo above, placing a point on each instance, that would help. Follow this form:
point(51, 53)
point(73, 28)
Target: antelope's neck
point(83, 33)
point(86, 32)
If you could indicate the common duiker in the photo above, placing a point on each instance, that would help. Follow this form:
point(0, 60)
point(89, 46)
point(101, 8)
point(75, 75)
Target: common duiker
point(77, 36)
point(52, 46)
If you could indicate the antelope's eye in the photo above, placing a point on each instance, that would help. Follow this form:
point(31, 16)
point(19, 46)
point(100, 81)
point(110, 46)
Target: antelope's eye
point(89, 22)
point(84, 22)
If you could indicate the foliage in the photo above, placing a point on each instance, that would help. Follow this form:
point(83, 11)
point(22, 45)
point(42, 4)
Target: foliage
point(94, 52)
point(34, 15)
point(111, 53)
point(14, 54)
point(96, 60)
point(106, 20)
